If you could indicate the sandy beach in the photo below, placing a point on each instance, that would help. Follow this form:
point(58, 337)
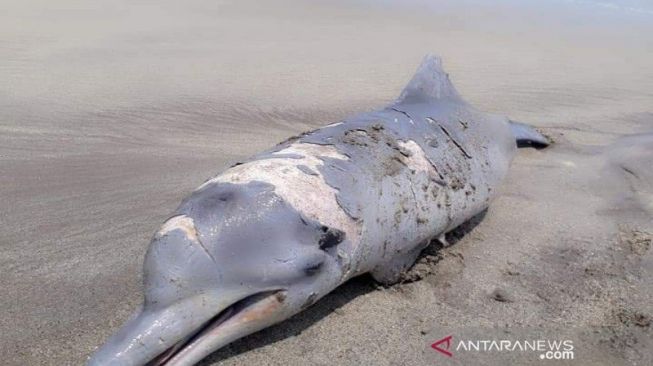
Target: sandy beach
point(112, 112)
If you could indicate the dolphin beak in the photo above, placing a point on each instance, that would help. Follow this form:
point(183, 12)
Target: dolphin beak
point(188, 331)
point(246, 317)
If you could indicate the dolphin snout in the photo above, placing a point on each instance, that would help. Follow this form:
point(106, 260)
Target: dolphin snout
point(187, 332)
point(244, 317)
point(150, 332)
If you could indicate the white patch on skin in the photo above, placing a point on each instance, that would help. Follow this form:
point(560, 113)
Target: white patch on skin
point(334, 124)
point(308, 194)
point(569, 164)
point(417, 160)
point(312, 152)
point(181, 222)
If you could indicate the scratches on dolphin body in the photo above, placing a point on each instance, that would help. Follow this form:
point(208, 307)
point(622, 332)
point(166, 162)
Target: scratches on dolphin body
point(403, 112)
point(440, 179)
point(458, 145)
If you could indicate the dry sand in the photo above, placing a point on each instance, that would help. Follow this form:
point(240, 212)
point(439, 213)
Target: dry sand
point(111, 112)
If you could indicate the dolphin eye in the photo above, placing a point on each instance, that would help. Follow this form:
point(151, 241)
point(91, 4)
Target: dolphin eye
point(330, 237)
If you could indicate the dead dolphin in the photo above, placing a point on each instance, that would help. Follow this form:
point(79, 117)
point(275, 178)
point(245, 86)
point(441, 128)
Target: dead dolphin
point(269, 237)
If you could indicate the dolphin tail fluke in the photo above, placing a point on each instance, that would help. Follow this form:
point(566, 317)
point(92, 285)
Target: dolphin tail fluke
point(528, 136)
point(430, 83)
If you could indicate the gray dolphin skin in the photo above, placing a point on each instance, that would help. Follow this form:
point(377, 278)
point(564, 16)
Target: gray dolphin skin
point(269, 237)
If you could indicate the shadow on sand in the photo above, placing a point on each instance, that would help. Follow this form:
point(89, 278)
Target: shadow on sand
point(298, 323)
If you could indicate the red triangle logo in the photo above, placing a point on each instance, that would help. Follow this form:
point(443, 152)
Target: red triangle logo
point(445, 349)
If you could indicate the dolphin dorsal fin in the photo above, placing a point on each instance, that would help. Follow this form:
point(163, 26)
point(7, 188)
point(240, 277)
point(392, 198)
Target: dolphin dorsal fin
point(430, 83)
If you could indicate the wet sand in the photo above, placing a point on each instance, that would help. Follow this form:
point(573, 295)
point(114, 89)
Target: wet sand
point(111, 113)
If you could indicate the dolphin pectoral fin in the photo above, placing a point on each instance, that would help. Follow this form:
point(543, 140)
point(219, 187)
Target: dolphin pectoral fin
point(390, 272)
point(528, 136)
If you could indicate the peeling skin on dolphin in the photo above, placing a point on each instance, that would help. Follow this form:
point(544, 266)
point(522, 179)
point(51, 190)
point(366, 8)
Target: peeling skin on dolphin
point(417, 159)
point(311, 151)
point(181, 222)
point(309, 193)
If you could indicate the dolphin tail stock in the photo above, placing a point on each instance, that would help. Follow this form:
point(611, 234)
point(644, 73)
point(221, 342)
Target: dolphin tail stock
point(528, 136)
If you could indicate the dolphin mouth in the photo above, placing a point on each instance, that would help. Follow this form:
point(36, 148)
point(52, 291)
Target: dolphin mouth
point(248, 309)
